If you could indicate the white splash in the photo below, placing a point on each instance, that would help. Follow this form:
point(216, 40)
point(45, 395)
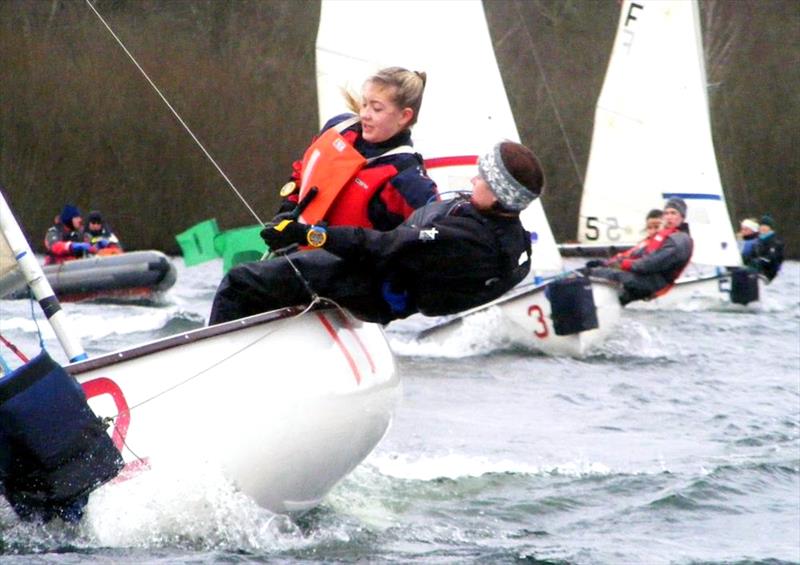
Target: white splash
point(190, 503)
point(455, 465)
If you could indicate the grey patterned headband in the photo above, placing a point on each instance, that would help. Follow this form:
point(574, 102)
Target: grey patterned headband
point(509, 191)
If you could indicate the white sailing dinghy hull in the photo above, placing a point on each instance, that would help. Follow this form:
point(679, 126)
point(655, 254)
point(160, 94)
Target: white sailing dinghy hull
point(527, 312)
point(698, 293)
point(286, 405)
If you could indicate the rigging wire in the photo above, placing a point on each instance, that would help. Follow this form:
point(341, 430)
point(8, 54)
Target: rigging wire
point(315, 298)
point(108, 420)
point(550, 96)
point(175, 113)
point(32, 303)
point(314, 295)
point(233, 354)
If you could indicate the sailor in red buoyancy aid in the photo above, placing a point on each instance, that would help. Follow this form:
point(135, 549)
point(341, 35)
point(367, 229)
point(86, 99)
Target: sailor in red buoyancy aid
point(387, 181)
point(653, 224)
point(65, 240)
point(651, 269)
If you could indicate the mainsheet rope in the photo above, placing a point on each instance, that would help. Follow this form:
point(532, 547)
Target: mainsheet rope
point(14, 350)
point(315, 298)
point(175, 113)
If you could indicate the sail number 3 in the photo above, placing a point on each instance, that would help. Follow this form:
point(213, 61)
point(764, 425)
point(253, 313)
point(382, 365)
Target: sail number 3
point(535, 312)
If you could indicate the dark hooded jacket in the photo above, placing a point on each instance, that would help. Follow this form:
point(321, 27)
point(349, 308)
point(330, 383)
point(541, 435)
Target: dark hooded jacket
point(447, 256)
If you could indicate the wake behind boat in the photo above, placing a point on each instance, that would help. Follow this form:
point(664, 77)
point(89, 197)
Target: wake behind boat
point(141, 275)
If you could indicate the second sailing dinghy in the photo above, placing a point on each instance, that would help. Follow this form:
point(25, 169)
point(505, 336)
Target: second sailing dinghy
point(464, 112)
point(652, 141)
point(285, 403)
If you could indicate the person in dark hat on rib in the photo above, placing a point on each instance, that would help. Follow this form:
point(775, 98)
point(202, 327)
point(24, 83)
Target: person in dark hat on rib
point(652, 269)
point(99, 234)
point(448, 256)
point(64, 240)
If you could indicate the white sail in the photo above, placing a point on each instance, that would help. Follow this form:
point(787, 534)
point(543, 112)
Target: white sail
point(7, 262)
point(652, 134)
point(465, 109)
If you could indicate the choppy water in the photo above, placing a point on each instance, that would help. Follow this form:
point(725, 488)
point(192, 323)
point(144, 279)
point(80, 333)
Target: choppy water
point(678, 441)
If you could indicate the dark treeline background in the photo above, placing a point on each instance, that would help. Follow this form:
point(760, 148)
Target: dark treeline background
point(79, 124)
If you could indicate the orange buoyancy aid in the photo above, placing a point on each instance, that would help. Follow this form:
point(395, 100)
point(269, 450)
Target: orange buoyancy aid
point(646, 247)
point(328, 164)
point(654, 244)
point(345, 181)
point(629, 253)
point(658, 239)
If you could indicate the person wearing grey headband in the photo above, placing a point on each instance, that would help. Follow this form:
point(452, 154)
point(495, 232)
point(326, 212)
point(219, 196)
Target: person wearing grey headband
point(501, 167)
point(447, 257)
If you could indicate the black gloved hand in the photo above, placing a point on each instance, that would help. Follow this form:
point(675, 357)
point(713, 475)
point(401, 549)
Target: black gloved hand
point(288, 205)
point(284, 233)
point(592, 263)
point(278, 218)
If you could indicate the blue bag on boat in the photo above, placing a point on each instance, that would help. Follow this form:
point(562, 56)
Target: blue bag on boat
point(55, 449)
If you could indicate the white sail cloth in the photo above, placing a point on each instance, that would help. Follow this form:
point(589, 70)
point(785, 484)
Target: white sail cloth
point(465, 110)
point(652, 134)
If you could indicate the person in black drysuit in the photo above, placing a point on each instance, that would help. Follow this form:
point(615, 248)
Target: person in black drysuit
point(766, 254)
point(447, 257)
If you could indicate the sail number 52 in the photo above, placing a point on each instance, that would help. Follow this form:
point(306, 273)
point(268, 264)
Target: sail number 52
point(612, 228)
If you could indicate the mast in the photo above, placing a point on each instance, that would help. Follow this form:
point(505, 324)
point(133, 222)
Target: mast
point(38, 283)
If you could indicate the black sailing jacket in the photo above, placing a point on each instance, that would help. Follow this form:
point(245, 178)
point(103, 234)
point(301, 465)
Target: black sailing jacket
point(447, 256)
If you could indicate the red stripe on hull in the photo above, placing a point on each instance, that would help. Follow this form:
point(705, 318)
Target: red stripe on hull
point(335, 337)
point(349, 327)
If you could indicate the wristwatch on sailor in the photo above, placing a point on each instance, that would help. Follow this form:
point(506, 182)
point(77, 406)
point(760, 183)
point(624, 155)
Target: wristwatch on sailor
point(316, 236)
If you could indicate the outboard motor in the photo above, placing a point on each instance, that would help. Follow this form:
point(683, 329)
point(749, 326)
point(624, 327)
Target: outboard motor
point(744, 286)
point(54, 449)
point(572, 305)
